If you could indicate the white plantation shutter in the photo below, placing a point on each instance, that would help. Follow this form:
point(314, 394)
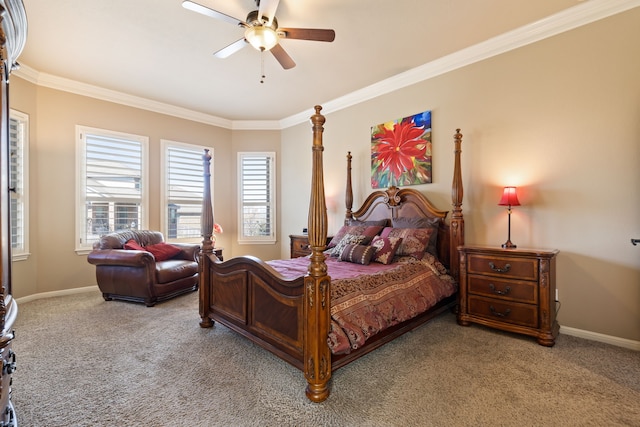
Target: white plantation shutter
point(112, 185)
point(257, 197)
point(183, 189)
point(18, 131)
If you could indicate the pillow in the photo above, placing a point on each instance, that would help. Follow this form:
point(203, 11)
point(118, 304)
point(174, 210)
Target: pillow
point(414, 240)
point(415, 222)
point(418, 222)
point(360, 254)
point(378, 222)
point(346, 240)
point(386, 248)
point(366, 230)
point(133, 245)
point(163, 251)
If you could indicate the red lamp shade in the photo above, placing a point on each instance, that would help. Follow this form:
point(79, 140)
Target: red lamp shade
point(509, 197)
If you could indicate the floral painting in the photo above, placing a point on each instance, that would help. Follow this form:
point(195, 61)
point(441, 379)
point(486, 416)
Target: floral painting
point(401, 152)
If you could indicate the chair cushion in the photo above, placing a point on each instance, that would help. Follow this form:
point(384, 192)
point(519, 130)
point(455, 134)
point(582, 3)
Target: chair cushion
point(132, 245)
point(175, 269)
point(162, 251)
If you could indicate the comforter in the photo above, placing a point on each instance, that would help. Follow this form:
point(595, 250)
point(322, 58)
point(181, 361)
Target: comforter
point(367, 299)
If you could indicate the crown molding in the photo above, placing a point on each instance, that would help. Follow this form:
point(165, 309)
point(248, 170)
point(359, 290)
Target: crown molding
point(91, 91)
point(569, 19)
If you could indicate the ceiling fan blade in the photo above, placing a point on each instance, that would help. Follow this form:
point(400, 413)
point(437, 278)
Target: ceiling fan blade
point(268, 8)
point(212, 13)
point(283, 57)
point(225, 52)
point(314, 34)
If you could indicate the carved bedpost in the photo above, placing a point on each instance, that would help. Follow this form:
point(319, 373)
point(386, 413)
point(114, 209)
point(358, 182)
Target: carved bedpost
point(206, 221)
point(457, 220)
point(348, 196)
point(317, 296)
point(206, 218)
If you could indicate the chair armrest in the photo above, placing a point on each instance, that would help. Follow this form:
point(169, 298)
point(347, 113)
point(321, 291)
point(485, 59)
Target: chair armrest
point(124, 257)
point(189, 251)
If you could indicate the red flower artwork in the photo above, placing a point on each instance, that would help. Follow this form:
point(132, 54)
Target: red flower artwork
point(401, 152)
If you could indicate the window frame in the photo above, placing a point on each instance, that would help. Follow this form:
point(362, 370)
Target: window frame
point(82, 247)
point(270, 239)
point(166, 144)
point(21, 194)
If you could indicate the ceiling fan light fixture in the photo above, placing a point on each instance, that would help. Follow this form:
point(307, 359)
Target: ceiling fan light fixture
point(260, 37)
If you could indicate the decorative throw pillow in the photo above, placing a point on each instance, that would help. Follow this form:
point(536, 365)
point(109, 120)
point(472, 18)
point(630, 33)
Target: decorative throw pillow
point(386, 248)
point(163, 251)
point(366, 230)
point(360, 254)
point(377, 222)
point(132, 245)
point(414, 240)
point(346, 240)
point(418, 222)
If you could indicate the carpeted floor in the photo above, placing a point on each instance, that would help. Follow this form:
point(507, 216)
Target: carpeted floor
point(86, 362)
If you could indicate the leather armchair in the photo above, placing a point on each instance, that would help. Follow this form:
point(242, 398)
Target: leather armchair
point(135, 275)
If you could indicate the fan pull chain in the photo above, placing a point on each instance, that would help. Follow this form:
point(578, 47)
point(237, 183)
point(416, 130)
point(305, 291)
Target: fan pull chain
point(262, 66)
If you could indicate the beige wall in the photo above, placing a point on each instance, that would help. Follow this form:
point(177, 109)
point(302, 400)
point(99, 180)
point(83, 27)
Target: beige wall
point(560, 119)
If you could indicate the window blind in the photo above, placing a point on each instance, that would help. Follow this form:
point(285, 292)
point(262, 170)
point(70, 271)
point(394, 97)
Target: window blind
point(16, 184)
point(184, 191)
point(113, 185)
point(257, 195)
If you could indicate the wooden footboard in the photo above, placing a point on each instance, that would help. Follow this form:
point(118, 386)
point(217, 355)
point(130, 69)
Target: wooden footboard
point(248, 296)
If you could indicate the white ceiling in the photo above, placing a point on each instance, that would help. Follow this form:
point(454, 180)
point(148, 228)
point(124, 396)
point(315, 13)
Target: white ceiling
point(159, 52)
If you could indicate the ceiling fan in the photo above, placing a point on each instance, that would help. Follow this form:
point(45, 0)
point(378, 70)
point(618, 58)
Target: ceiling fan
point(262, 32)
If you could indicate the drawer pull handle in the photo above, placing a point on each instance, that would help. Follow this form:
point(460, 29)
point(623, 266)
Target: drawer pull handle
point(498, 291)
point(497, 313)
point(506, 268)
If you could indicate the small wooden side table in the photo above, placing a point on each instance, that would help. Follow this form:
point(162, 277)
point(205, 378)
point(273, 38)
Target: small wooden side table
point(509, 289)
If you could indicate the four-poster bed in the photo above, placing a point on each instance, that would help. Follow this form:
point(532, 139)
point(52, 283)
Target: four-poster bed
point(290, 311)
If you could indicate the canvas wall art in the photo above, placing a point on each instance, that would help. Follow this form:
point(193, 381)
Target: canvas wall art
point(401, 152)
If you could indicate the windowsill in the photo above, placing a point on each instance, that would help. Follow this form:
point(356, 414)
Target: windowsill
point(20, 257)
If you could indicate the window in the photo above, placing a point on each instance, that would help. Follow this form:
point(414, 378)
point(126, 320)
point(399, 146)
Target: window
point(112, 184)
point(19, 184)
point(182, 190)
point(257, 197)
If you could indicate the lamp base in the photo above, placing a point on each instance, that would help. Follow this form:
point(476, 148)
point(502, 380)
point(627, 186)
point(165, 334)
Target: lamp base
point(509, 245)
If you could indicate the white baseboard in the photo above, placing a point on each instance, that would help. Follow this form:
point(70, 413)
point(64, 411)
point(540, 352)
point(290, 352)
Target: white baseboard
point(595, 336)
point(57, 293)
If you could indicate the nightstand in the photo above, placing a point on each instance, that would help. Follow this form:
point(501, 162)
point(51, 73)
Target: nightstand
point(300, 245)
point(218, 252)
point(509, 289)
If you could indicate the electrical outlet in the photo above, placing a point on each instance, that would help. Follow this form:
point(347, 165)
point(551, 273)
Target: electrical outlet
point(557, 298)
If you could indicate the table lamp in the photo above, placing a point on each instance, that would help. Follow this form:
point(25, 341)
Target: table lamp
point(509, 198)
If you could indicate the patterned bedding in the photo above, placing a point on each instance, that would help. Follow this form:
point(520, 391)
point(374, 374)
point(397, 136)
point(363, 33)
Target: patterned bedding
point(367, 299)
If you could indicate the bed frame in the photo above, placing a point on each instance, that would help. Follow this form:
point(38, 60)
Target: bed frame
point(291, 317)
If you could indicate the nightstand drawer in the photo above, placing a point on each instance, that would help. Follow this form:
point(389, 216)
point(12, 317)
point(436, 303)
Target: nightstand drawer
point(511, 312)
point(512, 267)
point(513, 290)
point(301, 245)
